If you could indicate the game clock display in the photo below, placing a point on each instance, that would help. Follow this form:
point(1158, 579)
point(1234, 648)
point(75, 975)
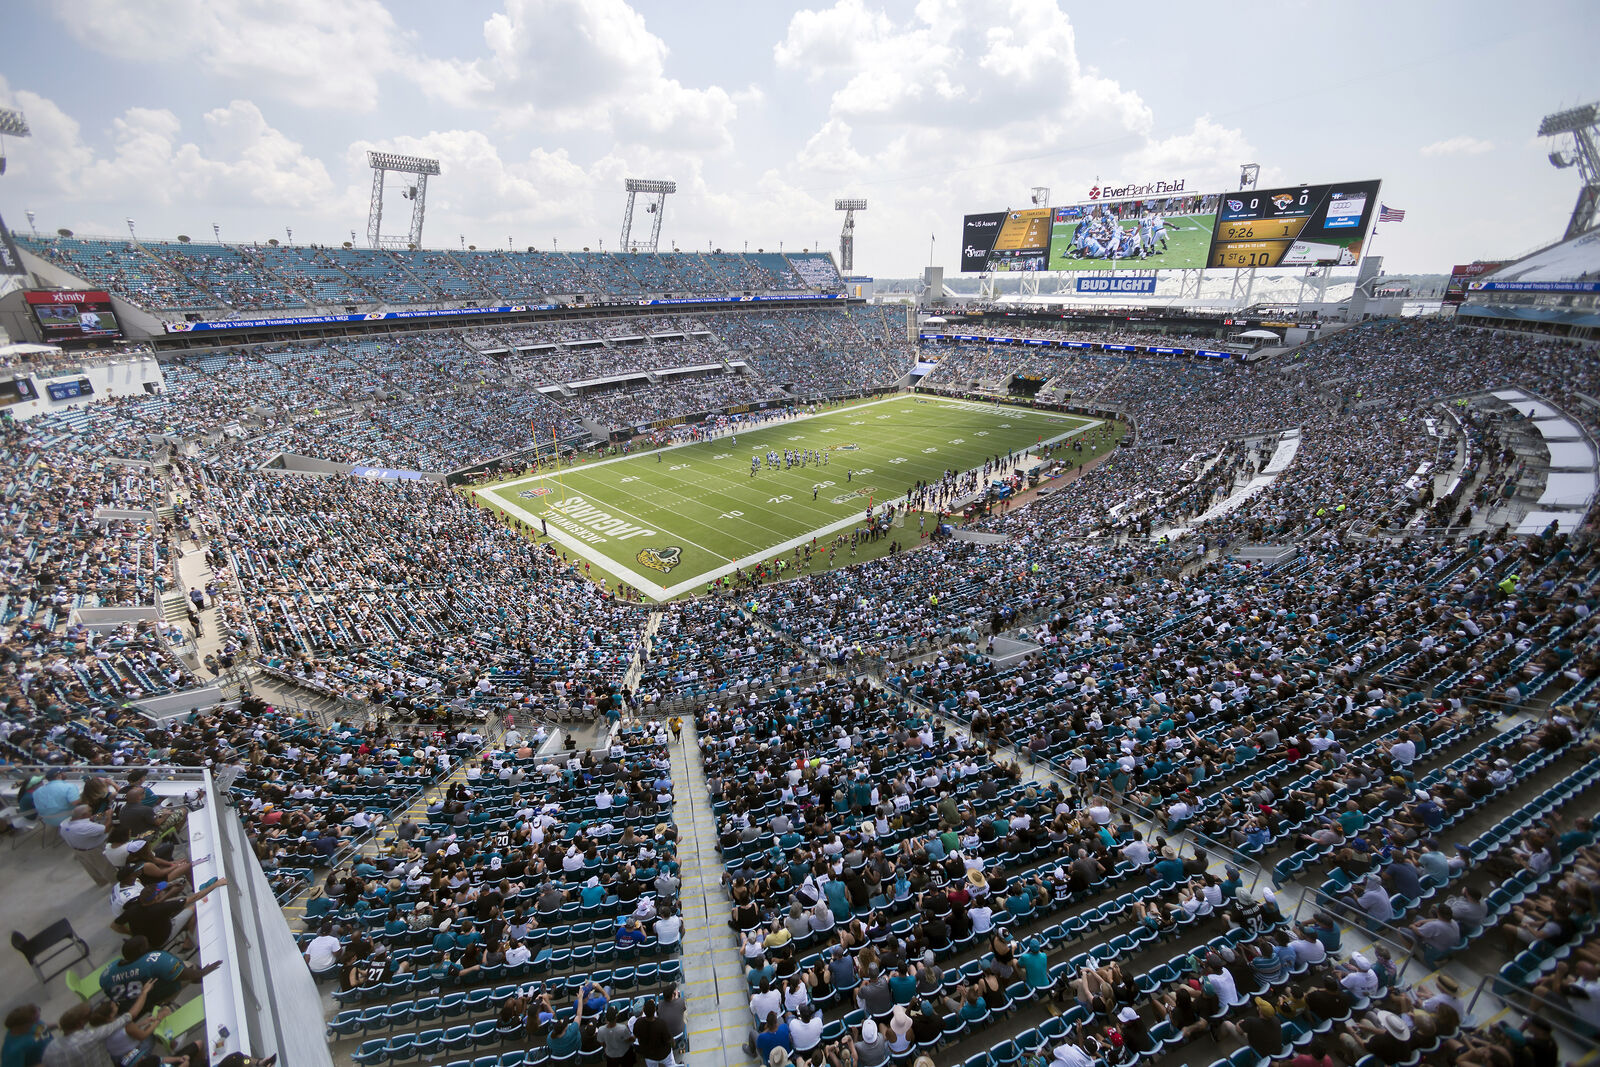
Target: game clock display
point(1297, 226)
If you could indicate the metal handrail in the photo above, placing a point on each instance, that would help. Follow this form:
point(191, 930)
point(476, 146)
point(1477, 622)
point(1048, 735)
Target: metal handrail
point(155, 772)
point(1545, 1007)
point(1408, 949)
point(1212, 845)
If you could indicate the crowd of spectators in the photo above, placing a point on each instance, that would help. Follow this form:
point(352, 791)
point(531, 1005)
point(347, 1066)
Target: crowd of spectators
point(440, 400)
point(897, 886)
point(385, 591)
point(184, 276)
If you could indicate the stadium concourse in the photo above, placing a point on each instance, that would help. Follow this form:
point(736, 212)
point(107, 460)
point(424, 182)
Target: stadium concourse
point(1230, 750)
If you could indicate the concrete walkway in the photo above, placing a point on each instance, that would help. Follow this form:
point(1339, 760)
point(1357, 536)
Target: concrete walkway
point(714, 990)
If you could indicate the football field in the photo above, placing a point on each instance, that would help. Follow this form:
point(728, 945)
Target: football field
point(669, 521)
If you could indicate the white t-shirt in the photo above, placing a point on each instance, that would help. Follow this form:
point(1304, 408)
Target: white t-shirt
point(323, 952)
point(669, 930)
point(763, 1003)
point(806, 1035)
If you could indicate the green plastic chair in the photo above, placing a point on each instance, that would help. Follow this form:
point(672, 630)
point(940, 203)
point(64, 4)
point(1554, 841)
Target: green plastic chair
point(87, 987)
point(186, 1018)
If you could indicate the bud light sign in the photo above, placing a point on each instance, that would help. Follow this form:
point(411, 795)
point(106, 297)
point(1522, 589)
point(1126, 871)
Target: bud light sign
point(1140, 285)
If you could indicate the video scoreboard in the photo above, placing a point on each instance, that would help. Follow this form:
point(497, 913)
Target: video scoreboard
point(1006, 240)
point(1299, 226)
point(68, 316)
point(1295, 226)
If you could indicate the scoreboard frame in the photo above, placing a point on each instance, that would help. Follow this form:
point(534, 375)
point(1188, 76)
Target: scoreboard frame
point(1292, 226)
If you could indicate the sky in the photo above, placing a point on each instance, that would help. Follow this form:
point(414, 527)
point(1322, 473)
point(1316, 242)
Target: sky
point(255, 117)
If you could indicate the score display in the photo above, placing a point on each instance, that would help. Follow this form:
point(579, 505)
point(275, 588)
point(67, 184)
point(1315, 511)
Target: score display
point(1006, 240)
point(1297, 226)
point(66, 316)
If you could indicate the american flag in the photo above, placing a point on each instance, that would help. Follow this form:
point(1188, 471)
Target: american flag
point(1390, 214)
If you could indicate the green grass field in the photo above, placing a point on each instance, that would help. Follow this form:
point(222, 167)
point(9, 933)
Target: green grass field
point(1188, 242)
point(668, 521)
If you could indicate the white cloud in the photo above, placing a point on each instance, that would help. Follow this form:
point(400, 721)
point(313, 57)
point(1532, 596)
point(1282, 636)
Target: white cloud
point(957, 107)
point(1458, 146)
point(240, 159)
point(841, 37)
point(1207, 154)
point(570, 65)
point(313, 53)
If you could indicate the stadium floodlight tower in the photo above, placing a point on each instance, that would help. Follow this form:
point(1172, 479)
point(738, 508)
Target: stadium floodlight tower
point(654, 208)
point(12, 275)
point(847, 236)
point(13, 123)
point(1584, 125)
point(382, 163)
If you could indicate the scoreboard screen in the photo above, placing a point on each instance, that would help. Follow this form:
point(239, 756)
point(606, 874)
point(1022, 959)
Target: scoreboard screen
point(66, 316)
point(1297, 226)
point(1006, 240)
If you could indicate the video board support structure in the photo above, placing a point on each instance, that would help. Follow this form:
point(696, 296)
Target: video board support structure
point(1249, 177)
point(1244, 284)
point(382, 163)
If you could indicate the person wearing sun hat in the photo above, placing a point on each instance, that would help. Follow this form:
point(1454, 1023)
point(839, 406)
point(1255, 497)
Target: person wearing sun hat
point(1449, 994)
point(1390, 1036)
point(870, 1049)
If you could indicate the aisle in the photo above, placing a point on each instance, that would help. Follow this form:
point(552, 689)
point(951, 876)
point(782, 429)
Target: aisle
point(714, 987)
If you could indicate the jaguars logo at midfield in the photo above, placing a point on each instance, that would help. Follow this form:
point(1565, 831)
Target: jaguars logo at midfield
point(662, 559)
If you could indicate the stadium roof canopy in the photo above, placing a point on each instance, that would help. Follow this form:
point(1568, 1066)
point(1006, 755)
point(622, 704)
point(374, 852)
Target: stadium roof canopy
point(1564, 262)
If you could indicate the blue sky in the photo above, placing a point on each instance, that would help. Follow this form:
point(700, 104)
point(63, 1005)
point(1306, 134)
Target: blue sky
point(255, 116)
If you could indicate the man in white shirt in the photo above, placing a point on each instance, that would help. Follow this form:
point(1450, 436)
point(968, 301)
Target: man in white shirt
point(1099, 812)
point(1223, 985)
point(669, 929)
point(322, 955)
point(765, 1001)
point(1308, 949)
point(517, 954)
point(1361, 980)
point(1068, 1054)
point(1136, 852)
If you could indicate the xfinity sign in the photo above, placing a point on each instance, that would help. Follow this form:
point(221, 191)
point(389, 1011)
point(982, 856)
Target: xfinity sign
point(1144, 285)
point(1124, 192)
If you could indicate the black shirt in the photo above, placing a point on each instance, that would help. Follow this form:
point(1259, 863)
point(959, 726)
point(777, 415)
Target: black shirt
point(1264, 1035)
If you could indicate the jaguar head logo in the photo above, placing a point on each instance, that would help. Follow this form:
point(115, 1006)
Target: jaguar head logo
point(663, 559)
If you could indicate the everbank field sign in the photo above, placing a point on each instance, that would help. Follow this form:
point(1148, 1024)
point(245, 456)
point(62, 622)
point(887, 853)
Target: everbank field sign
point(1125, 192)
